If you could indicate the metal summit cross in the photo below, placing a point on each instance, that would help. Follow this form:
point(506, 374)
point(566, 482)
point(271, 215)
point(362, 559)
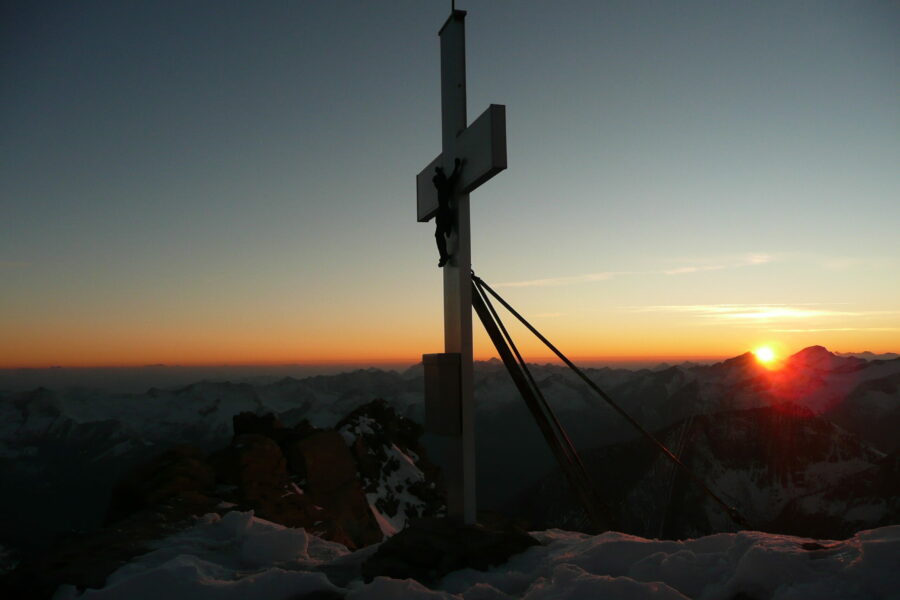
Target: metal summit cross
point(449, 402)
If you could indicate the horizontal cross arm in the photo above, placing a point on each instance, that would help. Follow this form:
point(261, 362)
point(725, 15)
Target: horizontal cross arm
point(483, 146)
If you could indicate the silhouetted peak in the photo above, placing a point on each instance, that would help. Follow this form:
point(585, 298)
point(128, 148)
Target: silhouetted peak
point(819, 358)
point(745, 359)
point(813, 353)
point(490, 365)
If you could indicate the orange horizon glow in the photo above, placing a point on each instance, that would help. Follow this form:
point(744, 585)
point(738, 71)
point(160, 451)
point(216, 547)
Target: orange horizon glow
point(407, 361)
point(764, 355)
point(379, 343)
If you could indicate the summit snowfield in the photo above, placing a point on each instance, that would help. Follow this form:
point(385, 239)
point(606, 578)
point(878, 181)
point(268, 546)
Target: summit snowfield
point(239, 556)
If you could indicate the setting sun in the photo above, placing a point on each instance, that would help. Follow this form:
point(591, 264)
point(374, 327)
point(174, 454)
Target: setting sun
point(765, 355)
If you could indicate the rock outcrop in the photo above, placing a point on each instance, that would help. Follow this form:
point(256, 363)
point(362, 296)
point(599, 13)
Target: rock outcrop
point(430, 548)
point(399, 481)
point(353, 484)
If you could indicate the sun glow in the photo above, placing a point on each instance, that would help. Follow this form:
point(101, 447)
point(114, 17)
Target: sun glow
point(765, 355)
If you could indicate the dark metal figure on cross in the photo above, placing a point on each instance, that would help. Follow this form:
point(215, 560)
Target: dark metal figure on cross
point(444, 216)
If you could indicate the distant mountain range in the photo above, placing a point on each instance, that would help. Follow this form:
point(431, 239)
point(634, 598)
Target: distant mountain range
point(871, 355)
point(61, 451)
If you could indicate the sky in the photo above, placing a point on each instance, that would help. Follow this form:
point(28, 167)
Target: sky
point(221, 182)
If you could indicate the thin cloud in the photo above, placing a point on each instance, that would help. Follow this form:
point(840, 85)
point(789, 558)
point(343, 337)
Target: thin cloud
point(556, 281)
point(684, 270)
point(840, 264)
point(747, 260)
point(758, 259)
point(748, 312)
point(728, 263)
point(835, 329)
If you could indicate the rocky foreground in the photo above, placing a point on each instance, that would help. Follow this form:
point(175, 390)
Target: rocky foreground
point(352, 484)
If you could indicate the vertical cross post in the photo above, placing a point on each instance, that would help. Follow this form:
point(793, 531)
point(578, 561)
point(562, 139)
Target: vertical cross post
point(457, 273)
point(481, 148)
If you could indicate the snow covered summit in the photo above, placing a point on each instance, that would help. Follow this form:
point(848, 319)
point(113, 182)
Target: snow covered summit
point(239, 556)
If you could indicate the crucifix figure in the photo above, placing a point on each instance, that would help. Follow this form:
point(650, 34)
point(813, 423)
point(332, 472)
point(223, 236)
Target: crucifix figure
point(444, 216)
point(480, 149)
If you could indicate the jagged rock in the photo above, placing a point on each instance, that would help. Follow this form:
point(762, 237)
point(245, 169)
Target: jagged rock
point(329, 465)
point(180, 476)
point(248, 422)
point(430, 548)
point(333, 482)
point(289, 439)
point(291, 442)
point(254, 463)
point(316, 488)
point(398, 478)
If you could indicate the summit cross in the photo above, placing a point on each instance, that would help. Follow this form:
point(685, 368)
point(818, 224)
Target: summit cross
point(481, 147)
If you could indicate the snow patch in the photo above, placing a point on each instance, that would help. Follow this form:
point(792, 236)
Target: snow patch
point(393, 486)
point(387, 528)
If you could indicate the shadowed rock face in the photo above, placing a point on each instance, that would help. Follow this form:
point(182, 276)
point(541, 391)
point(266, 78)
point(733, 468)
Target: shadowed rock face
point(179, 473)
point(334, 483)
point(430, 548)
point(317, 488)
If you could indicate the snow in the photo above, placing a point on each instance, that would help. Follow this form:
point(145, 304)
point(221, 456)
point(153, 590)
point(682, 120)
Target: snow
point(235, 556)
point(389, 496)
point(384, 588)
point(241, 556)
point(395, 483)
point(569, 581)
point(384, 523)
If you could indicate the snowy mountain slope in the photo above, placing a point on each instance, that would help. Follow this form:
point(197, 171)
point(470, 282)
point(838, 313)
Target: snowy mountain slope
point(862, 500)
point(759, 460)
point(872, 411)
point(240, 556)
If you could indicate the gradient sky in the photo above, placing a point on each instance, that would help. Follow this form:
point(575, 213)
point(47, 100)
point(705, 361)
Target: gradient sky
point(233, 182)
